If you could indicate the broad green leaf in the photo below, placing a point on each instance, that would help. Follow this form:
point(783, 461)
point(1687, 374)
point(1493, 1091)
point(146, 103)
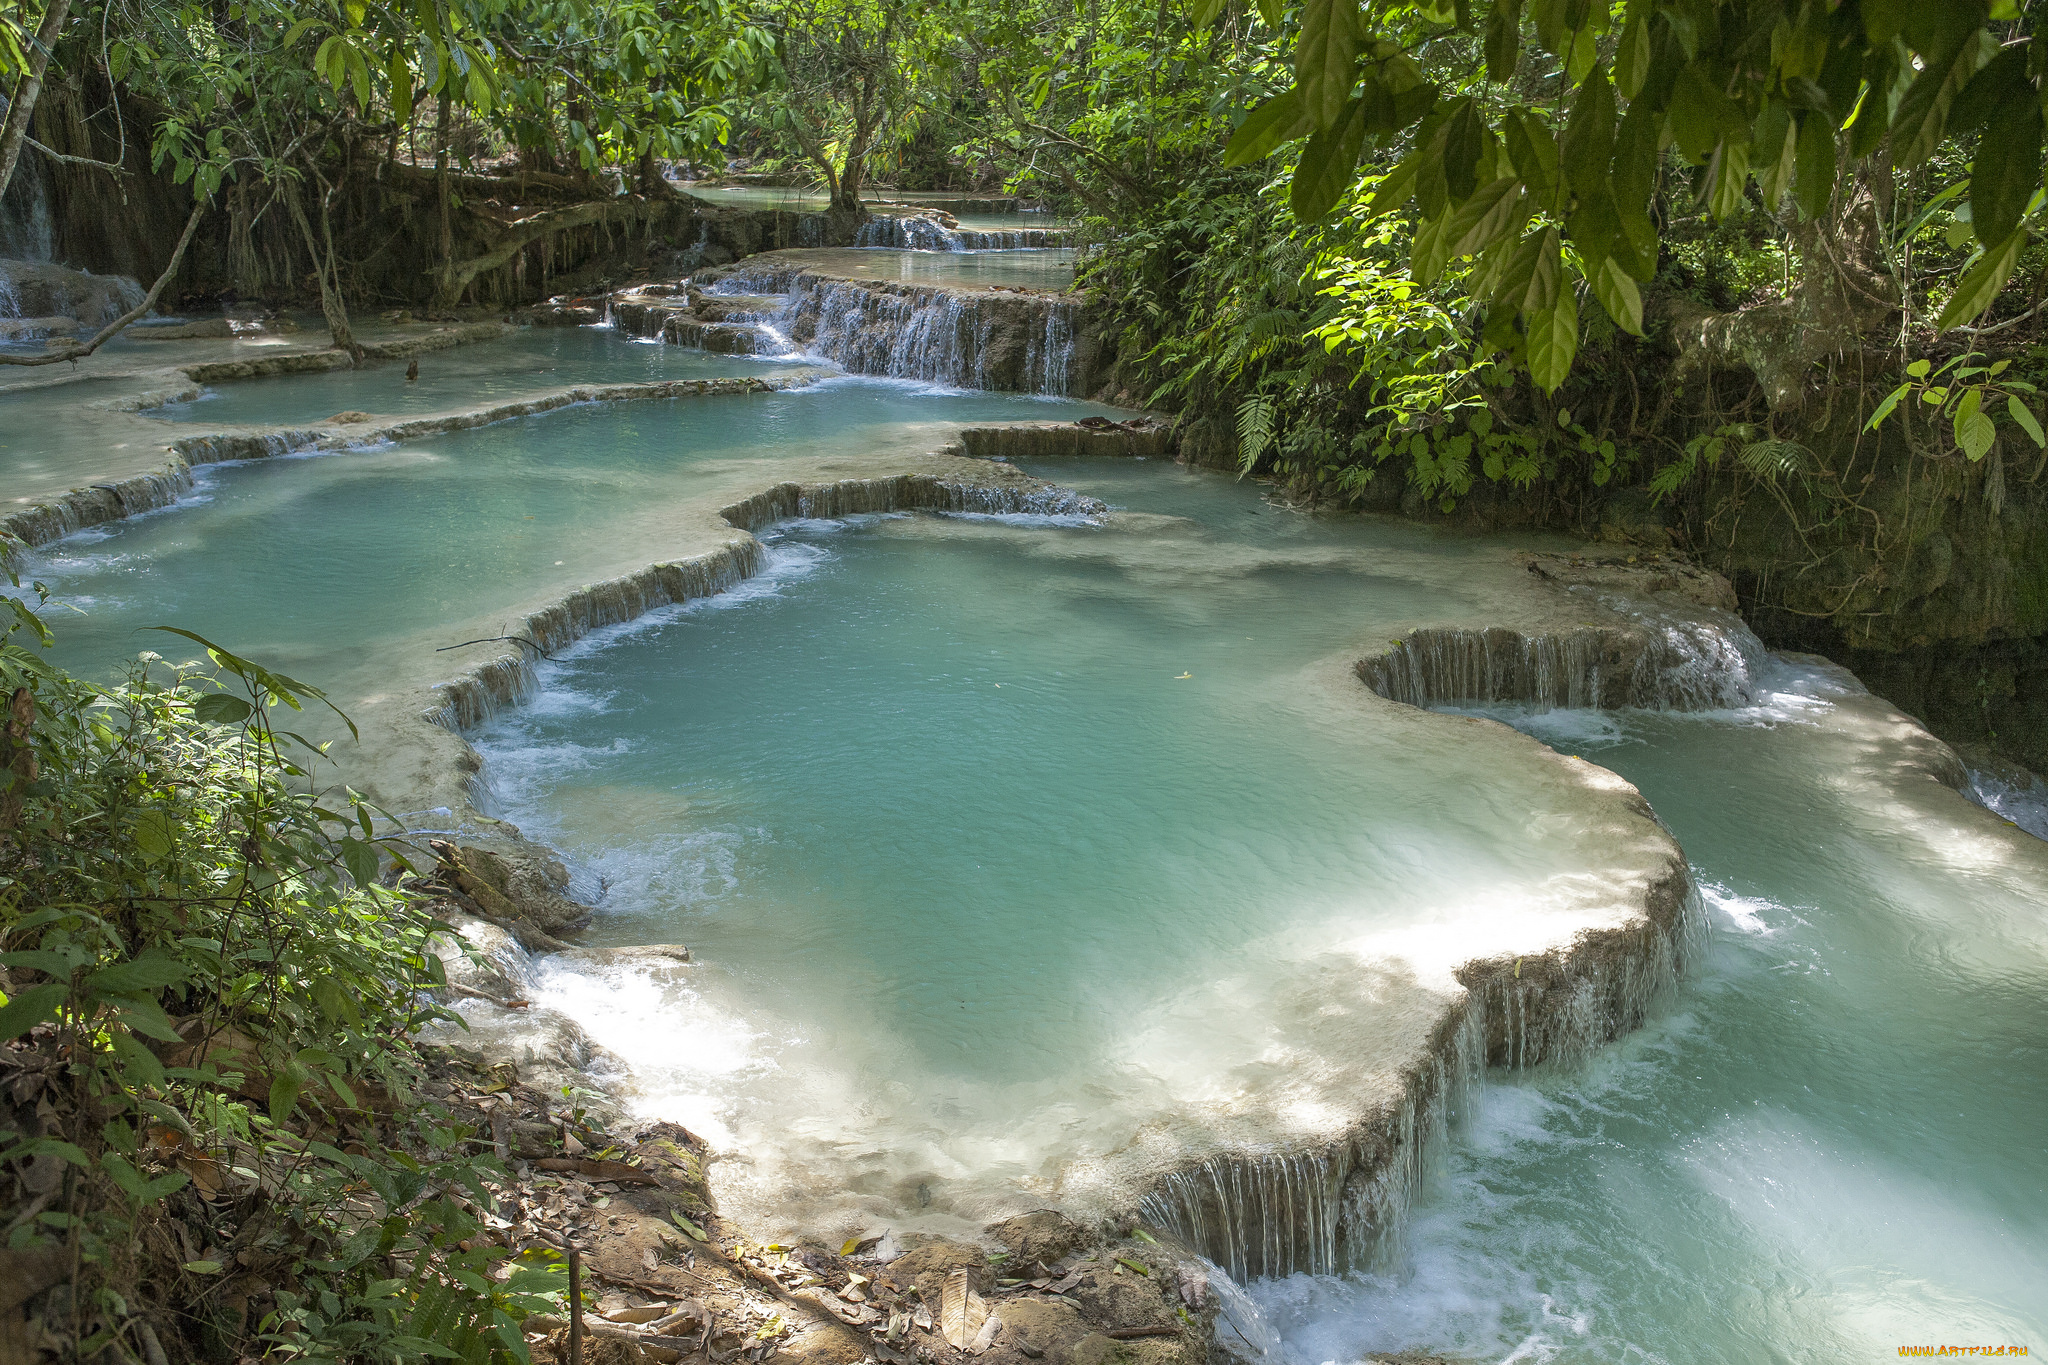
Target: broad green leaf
point(147, 1018)
point(2007, 168)
point(1482, 218)
point(1814, 178)
point(1884, 409)
point(1775, 153)
point(1553, 341)
point(1589, 135)
point(1636, 158)
point(1326, 58)
point(1702, 115)
point(1726, 176)
point(1619, 296)
point(1280, 119)
point(30, 1007)
point(2024, 415)
point(1991, 93)
point(1464, 142)
point(153, 832)
point(1551, 29)
point(1272, 12)
point(284, 1094)
point(203, 1267)
point(1431, 248)
point(360, 857)
point(1533, 151)
point(400, 76)
point(1632, 54)
point(149, 971)
point(1206, 15)
point(1974, 434)
point(1324, 172)
point(1503, 39)
point(1635, 246)
point(1922, 115)
point(219, 708)
point(1981, 283)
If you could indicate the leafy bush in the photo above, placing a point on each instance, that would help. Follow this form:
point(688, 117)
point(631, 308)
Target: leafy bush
point(207, 1066)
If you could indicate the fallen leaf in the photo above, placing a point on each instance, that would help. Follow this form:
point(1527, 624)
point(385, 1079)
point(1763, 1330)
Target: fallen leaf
point(962, 1313)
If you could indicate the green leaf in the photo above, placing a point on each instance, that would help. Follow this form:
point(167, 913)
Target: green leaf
point(360, 857)
point(1589, 134)
point(1503, 39)
point(1632, 53)
point(1326, 58)
point(147, 972)
point(1324, 172)
point(1814, 171)
point(153, 832)
point(2007, 168)
point(203, 1267)
point(31, 1007)
point(1619, 296)
point(1974, 433)
point(147, 1018)
point(218, 708)
point(285, 1088)
point(1533, 151)
point(2024, 415)
point(1553, 342)
point(1701, 115)
point(1726, 176)
point(1922, 115)
point(676, 1216)
point(1483, 217)
point(1981, 283)
point(1464, 139)
point(1279, 120)
point(1776, 153)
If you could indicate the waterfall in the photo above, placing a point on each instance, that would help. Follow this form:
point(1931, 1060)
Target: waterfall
point(26, 230)
point(1653, 661)
point(998, 340)
point(920, 232)
point(1341, 1207)
point(39, 289)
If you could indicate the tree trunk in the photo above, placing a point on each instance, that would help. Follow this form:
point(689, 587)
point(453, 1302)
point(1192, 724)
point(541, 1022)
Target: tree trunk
point(441, 131)
point(321, 249)
point(28, 89)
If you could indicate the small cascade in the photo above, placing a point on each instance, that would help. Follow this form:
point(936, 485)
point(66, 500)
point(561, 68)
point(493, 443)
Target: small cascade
point(999, 340)
point(1652, 661)
point(923, 232)
point(1341, 1208)
point(39, 289)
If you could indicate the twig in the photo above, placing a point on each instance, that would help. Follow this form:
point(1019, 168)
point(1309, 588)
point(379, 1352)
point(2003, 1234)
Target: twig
point(498, 639)
point(66, 157)
point(1133, 1333)
point(575, 1305)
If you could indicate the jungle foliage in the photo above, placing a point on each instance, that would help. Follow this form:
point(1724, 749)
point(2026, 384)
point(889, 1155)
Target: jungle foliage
point(207, 1056)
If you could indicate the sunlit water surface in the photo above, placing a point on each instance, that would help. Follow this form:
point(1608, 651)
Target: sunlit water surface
point(531, 361)
point(998, 839)
point(314, 562)
point(1838, 1145)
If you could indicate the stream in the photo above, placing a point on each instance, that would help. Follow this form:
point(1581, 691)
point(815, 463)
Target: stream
point(1009, 844)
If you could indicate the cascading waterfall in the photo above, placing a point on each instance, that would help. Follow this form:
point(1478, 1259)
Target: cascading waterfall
point(1654, 662)
point(1342, 1207)
point(916, 232)
point(1016, 341)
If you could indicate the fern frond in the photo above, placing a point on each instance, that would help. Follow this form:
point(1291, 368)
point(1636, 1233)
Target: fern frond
point(1772, 459)
point(1254, 431)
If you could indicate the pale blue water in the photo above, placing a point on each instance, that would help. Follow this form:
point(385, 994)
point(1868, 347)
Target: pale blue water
point(997, 840)
point(533, 360)
point(1838, 1145)
point(308, 562)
